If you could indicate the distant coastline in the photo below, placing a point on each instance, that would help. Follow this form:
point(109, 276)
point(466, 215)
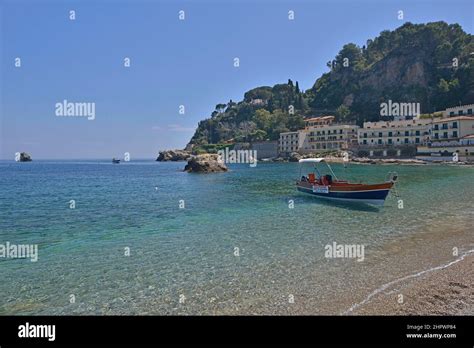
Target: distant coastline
point(330, 159)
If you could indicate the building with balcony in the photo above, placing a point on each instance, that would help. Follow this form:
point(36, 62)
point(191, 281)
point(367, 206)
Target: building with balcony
point(291, 141)
point(462, 110)
point(319, 121)
point(397, 132)
point(452, 128)
point(451, 137)
point(319, 134)
point(422, 135)
point(330, 137)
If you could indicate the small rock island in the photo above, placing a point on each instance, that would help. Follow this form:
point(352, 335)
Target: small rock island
point(24, 157)
point(205, 163)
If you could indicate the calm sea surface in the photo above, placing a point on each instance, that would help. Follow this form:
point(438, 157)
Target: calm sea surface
point(190, 253)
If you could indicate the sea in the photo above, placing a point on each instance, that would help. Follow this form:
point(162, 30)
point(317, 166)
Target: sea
point(146, 238)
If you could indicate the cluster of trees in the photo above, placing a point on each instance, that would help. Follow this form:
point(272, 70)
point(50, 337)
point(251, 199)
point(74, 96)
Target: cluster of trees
point(264, 113)
point(429, 63)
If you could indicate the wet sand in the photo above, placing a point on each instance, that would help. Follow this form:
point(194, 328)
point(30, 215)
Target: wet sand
point(445, 291)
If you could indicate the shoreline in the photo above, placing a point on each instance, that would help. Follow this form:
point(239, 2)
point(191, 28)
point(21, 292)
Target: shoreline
point(401, 161)
point(366, 161)
point(447, 289)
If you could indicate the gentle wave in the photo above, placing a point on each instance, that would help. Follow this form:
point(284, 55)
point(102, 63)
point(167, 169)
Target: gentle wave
point(415, 275)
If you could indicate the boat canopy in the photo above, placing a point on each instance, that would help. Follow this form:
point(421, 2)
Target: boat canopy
point(311, 160)
point(317, 160)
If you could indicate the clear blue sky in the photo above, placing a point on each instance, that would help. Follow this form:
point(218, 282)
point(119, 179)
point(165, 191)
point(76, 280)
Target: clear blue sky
point(172, 63)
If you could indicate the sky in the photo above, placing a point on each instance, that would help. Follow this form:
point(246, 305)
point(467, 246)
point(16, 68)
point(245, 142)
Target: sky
point(173, 62)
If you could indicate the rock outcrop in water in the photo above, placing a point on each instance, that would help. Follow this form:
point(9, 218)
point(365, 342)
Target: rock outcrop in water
point(173, 155)
point(24, 157)
point(294, 157)
point(205, 163)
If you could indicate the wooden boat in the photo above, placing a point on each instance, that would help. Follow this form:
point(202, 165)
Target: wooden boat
point(329, 187)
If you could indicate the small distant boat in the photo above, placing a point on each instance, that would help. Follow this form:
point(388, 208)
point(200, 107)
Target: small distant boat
point(329, 187)
point(114, 160)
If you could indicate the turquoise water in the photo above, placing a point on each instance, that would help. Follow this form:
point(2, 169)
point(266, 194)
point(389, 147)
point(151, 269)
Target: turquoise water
point(191, 251)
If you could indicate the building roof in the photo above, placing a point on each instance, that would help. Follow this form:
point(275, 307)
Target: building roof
point(455, 118)
point(321, 118)
point(459, 107)
point(397, 123)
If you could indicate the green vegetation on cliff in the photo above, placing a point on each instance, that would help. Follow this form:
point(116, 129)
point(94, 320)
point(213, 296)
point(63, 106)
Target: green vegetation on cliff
point(431, 64)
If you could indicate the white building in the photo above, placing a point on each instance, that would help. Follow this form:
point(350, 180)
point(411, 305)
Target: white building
point(258, 102)
point(330, 137)
point(319, 134)
point(462, 110)
point(450, 137)
point(291, 141)
point(452, 128)
point(397, 132)
point(319, 121)
point(323, 134)
point(467, 140)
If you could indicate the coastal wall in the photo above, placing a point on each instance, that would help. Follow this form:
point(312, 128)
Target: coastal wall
point(445, 153)
point(265, 149)
point(387, 151)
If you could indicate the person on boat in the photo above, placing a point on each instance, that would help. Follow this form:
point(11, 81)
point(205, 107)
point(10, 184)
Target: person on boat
point(324, 180)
